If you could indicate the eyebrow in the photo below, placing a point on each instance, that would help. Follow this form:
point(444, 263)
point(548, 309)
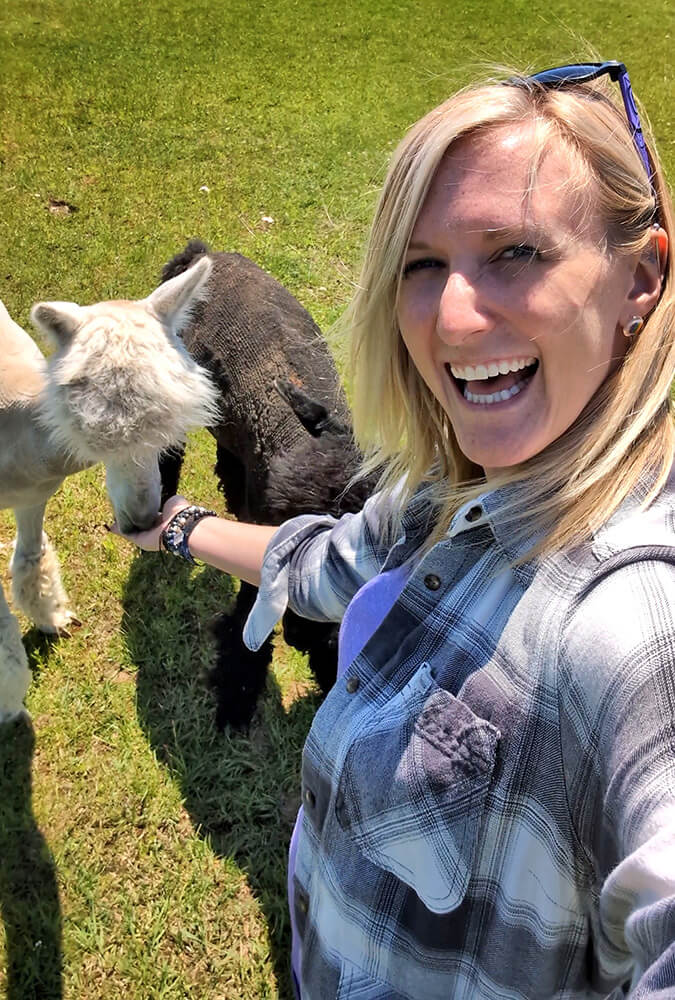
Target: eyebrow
point(495, 234)
point(515, 232)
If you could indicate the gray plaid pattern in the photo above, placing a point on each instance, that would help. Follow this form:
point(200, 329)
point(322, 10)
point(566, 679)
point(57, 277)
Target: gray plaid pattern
point(494, 778)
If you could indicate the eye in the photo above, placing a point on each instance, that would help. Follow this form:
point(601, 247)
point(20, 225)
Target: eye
point(520, 251)
point(421, 264)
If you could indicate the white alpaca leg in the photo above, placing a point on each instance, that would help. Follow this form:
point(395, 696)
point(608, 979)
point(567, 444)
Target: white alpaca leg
point(14, 673)
point(36, 579)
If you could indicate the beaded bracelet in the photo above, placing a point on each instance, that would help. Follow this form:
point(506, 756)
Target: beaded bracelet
point(176, 535)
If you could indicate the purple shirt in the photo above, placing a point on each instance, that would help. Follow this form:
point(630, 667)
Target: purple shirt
point(364, 615)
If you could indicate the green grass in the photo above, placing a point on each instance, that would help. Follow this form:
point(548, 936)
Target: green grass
point(143, 855)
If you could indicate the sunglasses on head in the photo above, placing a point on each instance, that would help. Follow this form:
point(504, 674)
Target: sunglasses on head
point(563, 76)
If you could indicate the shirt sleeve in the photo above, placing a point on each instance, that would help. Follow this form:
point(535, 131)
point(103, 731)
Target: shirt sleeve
point(315, 564)
point(618, 744)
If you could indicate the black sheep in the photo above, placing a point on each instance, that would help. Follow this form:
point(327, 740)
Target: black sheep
point(284, 446)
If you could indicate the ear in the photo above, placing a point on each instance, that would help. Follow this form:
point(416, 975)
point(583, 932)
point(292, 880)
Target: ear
point(312, 414)
point(174, 300)
point(58, 320)
point(648, 277)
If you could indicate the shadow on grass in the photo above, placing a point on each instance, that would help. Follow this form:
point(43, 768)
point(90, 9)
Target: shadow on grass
point(29, 898)
point(241, 790)
point(38, 646)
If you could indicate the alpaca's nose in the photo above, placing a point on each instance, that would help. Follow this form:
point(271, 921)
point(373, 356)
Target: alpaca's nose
point(136, 513)
point(135, 493)
point(129, 524)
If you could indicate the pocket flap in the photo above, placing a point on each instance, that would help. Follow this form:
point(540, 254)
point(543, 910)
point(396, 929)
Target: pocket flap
point(413, 787)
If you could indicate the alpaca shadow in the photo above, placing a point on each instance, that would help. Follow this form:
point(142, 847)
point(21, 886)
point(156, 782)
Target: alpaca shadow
point(241, 789)
point(29, 898)
point(39, 646)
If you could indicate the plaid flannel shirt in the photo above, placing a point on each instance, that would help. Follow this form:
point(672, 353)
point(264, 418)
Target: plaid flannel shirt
point(490, 789)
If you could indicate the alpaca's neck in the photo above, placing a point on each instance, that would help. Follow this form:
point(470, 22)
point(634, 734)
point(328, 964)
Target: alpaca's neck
point(65, 464)
point(31, 465)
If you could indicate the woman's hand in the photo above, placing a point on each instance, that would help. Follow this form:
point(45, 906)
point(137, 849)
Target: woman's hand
point(150, 540)
point(232, 546)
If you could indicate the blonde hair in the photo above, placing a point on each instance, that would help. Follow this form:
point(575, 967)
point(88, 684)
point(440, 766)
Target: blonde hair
point(625, 435)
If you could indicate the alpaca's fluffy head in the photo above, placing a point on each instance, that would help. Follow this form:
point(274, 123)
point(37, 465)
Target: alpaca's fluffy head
point(120, 384)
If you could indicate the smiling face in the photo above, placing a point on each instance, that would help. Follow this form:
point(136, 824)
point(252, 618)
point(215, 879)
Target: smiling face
point(509, 306)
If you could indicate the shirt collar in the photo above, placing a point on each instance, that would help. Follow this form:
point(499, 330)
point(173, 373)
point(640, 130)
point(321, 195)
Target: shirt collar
point(478, 513)
point(628, 525)
point(484, 511)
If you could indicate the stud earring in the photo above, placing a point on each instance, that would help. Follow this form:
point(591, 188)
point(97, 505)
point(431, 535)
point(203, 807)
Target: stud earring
point(633, 327)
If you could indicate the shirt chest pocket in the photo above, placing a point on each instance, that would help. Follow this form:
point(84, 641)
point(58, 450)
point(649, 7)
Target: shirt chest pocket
point(413, 788)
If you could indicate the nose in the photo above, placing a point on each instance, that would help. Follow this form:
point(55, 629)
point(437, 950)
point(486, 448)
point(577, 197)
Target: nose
point(134, 490)
point(130, 521)
point(461, 312)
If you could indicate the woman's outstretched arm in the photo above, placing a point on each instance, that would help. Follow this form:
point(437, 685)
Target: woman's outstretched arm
point(232, 546)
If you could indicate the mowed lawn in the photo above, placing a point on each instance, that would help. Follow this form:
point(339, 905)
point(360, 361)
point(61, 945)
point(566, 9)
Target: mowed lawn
point(142, 854)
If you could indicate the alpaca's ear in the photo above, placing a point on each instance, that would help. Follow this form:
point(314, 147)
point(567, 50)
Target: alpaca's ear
point(311, 413)
point(173, 301)
point(59, 320)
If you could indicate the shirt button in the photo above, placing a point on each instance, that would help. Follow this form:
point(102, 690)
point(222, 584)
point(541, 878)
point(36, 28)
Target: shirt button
point(432, 582)
point(303, 903)
point(352, 684)
point(310, 798)
point(474, 514)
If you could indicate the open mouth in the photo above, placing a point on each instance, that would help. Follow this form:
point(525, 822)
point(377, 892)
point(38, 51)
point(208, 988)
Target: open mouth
point(495, 383)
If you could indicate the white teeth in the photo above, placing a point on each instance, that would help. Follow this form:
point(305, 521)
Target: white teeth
point(470, 373)
point(495, 397)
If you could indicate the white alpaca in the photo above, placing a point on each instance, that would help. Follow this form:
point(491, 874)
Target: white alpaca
point(119, 388)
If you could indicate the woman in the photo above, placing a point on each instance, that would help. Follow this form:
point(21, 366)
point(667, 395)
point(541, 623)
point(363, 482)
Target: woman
point(489, 789)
